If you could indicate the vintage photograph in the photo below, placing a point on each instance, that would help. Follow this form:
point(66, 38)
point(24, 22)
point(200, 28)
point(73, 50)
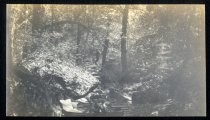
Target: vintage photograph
point(105, 60)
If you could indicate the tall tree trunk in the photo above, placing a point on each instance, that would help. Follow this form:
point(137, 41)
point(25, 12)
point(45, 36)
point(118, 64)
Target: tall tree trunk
point(123, 42)
point(78, 57)
point(12, 38)
point(93, 17)
point(88, 24)
point(24, 55)
point(76, 18)
point(10, 42)
point(104, 53)
point(97, 53)
point(105, 46)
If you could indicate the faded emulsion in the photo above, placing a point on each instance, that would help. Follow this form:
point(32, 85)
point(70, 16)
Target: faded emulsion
point(106, 60)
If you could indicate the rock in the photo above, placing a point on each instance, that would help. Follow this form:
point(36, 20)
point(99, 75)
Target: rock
point(154, 113)
point(127, 96)
point(70, 106)
point(82, 100)
point(74, 79)
point(117, 95)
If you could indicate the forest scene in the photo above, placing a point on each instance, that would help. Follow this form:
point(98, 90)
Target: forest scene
point(105, 60)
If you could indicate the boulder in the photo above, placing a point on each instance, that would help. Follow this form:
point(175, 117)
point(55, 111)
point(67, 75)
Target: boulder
point(68, 76)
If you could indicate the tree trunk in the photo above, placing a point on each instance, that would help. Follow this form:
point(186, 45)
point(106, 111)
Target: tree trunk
point(123, 42)
point(24, 55)
point(78, 59)
point(105, 46)
point(104, 53)
point(76, 18)
point(12, 38)
point(93, 17)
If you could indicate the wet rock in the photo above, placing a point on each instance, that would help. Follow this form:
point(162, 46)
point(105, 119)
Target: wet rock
point(70, 106)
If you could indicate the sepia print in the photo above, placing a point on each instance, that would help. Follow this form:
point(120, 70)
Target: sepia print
point(106, 60)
